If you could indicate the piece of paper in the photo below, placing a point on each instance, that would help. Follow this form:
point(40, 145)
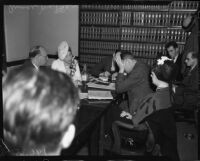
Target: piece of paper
point(83, 95)
point(111, 86)
point(96, 94)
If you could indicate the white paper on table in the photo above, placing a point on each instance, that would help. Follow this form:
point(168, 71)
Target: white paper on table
point(111, 86)
point(83, 95)
point(96, 94)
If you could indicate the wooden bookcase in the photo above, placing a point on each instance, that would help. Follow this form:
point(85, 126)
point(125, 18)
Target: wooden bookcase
point(143, 29)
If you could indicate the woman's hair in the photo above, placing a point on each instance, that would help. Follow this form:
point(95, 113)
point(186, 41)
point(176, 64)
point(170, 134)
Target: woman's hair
point(38, 107)
point(166, 71)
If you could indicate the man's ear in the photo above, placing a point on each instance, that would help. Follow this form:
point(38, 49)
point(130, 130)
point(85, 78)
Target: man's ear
point(130, 62)
point(68, 136)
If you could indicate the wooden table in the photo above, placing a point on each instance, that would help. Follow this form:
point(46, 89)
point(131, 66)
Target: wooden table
point(89, 124)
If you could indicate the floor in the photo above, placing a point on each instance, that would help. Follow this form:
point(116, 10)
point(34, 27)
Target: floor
point(187, 145)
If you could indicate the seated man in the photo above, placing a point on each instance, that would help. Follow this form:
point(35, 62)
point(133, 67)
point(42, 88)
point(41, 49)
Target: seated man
point(190, 80)
point(107, 67)
point(38, 109)
point(37, 57)
point(135, 84)
point(173, 53)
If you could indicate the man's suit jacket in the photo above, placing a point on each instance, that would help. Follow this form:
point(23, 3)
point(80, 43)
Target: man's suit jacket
point(190, 82)
point(28, 63)
point(178, 75)
point(189, 85)
point(136, 84)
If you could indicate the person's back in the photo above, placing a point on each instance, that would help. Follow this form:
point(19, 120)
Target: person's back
point(140, 89)
point(38, 109)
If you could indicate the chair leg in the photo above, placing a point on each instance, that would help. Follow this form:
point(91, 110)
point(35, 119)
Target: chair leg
point(150, 141)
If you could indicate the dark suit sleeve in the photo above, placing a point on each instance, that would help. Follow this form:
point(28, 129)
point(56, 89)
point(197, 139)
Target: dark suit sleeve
point(124, 83)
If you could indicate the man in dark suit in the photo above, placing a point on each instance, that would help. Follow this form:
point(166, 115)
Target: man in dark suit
point(173, 53)
point(37, 57)
point(190, 81)
point(136, 80)
point(133, 79)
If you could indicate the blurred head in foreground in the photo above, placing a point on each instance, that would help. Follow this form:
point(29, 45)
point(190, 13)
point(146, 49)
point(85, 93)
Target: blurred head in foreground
point(38, 111)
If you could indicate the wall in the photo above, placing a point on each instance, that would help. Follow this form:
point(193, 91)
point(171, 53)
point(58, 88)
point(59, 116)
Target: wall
point(49, 25)
point(16, 33)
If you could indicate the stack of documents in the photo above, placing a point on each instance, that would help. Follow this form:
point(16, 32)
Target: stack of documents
point(110, 86)
point(96, 94)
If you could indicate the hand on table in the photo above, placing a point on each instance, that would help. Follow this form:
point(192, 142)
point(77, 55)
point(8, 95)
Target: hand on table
point(105, 74)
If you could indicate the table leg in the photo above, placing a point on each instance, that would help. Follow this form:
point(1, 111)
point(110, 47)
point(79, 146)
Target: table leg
point(101, 140)
point(93, 147)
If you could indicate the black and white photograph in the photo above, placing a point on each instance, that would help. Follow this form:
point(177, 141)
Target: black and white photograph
point(113, 81)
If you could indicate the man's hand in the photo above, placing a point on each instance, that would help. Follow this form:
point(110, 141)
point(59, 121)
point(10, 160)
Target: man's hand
point(114, 75)
point(126, 114)
point(119, 62)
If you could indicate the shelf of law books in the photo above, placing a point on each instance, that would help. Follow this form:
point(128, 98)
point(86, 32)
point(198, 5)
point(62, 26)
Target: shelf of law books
point(142, 29)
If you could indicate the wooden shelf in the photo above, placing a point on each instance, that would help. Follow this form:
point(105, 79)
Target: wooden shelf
point(126, 22)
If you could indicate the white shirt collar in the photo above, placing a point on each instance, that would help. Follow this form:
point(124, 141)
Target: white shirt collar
point(35, 66)
point(175, 58)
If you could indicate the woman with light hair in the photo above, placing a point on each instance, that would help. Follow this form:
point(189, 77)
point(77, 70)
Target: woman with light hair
point(67, 63)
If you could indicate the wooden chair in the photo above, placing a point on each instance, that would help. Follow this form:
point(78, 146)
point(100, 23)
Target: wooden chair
point(128, 145)
point(160, 119)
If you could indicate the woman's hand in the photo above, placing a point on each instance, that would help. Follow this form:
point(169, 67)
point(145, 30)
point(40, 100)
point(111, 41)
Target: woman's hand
point(154, 77)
